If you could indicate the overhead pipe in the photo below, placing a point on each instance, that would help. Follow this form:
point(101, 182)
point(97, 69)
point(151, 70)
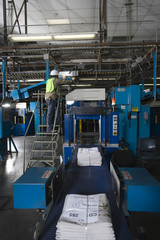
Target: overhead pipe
point(47, 69)
point(46, 58)
point(4, 77)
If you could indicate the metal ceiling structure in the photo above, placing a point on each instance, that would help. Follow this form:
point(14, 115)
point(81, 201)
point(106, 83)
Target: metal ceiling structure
point(127, 35)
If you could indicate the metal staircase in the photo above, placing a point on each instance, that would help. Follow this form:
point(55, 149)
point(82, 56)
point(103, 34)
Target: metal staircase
point(45, 145)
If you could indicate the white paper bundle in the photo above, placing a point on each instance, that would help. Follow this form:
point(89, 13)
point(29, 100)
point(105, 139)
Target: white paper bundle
point(89, 157)
point(85, 217)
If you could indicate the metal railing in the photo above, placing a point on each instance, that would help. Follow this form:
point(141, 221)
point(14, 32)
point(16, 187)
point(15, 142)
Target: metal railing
point(24, 160)
point(52, 144)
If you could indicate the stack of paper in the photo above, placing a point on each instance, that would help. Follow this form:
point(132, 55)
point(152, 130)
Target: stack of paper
point(89, 157)
point(85, 217)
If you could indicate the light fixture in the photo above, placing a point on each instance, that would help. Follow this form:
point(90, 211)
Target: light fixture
point(81, 85)
point(157, 78)
point(150, 84)
point(74, 36)
point(40, 37)
point(6, 105)
point(70, 102)
point(29, 38)
point(97, 79)
point(6, 102)
point(58, 21)
point(35, 80)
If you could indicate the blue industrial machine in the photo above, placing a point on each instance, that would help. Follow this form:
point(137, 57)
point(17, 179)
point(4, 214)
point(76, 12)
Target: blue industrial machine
point(5, 132)
point(86, 109)
point(134, 117)
point(31, 190)
point(21, 120)
point(37, 114)
point(135, 188)
point(141, 190)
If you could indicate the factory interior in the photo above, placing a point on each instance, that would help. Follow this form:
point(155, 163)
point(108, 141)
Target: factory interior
point(80, 120)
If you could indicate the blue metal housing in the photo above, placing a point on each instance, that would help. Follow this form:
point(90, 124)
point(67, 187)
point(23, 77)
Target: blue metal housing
point(67, 153)
point(18, 94)
point(68, 127)
point(134, 118)
point(144, 122)
point(37, 115)
point(31, 189)
point(112, 131)
point(142, 190)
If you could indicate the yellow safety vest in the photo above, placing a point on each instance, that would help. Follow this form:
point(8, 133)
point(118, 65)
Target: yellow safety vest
point(50, 85)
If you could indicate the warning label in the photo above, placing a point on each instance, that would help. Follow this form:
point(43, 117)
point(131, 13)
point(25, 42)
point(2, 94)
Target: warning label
point(134, 109)
point(126, 175)
point(46, 174)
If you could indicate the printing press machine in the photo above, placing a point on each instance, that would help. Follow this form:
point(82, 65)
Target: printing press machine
point(70, 178)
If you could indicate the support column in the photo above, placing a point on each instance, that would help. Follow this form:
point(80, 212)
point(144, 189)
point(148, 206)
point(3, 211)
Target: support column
point(4, 77)
point(5, 22)
point(25, 11)
point(154, 73)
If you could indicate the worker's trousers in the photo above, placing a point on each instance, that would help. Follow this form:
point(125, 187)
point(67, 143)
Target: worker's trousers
point(50, 113)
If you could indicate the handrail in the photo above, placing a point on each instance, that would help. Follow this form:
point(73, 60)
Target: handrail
point(56, 113)
point(26, 134)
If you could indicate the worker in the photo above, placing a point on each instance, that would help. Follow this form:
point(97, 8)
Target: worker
point(52, 87)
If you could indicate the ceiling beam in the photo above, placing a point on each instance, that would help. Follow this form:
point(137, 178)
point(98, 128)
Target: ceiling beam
point(16, 21)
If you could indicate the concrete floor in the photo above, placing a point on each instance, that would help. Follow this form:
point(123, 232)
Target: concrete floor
point(20, 224)
point(15, 224)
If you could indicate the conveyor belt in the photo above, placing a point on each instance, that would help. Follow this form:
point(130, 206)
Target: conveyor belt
point(86, 180)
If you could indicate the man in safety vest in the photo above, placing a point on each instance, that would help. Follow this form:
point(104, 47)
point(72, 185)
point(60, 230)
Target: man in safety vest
point(52, 86)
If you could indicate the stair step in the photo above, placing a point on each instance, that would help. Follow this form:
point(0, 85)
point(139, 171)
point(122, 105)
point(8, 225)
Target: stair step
point(44, 141)
point(43, 150)
point(43, 125)
point(47, 133)
point(41, 160)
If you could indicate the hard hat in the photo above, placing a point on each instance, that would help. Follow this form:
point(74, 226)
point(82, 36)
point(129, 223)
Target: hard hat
point(54, 73)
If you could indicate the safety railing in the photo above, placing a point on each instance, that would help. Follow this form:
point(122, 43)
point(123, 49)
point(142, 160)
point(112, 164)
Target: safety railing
point(24, 156)
point(45, 144)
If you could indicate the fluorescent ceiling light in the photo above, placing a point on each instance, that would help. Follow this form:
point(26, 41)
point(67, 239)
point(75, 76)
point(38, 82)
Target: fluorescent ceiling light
point(6, 105)
point(35, 80)
point(149, 84)
point(70, 102)
point(99, 79)
point(29, 38)
point(58, 21)
point(156, 78)
point(75, 36)
point(81, 85)
point(29, 80)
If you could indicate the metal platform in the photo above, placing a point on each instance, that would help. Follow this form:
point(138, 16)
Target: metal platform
point(86, 180)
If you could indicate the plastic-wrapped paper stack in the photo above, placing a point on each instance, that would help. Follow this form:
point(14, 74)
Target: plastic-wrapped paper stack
point(85, 217)
point(89, 157)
